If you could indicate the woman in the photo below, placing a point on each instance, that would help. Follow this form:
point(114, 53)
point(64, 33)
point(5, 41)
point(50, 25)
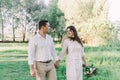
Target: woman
point(75, 54)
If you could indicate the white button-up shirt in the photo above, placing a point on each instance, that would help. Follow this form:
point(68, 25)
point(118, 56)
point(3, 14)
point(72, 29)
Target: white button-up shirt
point(41, 49)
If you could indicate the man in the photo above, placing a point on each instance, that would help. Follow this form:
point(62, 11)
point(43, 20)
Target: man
point(41, 51)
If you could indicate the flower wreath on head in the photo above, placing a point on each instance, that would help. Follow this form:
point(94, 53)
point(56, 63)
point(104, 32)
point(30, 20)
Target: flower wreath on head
point(89, 70)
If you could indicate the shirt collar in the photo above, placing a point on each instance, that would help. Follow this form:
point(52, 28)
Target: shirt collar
point(41, 36)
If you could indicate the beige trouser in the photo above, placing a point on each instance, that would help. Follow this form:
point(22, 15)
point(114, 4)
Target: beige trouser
point(45, 71)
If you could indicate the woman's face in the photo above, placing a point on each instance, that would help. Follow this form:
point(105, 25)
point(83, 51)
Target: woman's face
point(70, 33)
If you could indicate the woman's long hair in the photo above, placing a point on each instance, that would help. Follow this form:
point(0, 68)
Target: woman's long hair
point(72, 28)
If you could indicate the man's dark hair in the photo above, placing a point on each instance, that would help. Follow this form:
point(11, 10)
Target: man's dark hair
point(42, 23)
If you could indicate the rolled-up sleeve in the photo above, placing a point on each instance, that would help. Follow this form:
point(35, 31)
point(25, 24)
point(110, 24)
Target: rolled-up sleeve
point(31, 52)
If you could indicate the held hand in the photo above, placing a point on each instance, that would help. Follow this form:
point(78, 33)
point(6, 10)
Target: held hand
point(57, 64)
point(32, 73)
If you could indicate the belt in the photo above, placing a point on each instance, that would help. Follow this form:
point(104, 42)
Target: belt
point(45, 61)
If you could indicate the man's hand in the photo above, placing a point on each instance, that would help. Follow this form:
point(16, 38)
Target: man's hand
point(32, 71)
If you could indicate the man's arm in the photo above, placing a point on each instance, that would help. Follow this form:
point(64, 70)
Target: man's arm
point(31, 56)
point(54, 53)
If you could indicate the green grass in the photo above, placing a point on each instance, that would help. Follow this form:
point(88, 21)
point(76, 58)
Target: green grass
point(14, 66)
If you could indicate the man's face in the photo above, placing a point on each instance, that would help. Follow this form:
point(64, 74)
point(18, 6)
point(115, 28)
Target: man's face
point(46, 28)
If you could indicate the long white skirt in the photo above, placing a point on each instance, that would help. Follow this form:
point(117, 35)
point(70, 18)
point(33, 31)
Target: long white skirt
point(74, 69)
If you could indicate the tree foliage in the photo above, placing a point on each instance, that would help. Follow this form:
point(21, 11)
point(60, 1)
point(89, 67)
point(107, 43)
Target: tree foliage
point(19, 18)
point(57, 20)
point(90, 19)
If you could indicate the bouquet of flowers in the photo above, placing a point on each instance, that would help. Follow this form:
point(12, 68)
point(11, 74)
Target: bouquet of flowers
point(89, 70)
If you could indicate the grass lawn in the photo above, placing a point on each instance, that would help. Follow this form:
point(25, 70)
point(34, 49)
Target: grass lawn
point(14, 66)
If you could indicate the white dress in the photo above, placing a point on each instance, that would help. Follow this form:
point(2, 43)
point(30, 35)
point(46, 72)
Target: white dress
point(74, 59)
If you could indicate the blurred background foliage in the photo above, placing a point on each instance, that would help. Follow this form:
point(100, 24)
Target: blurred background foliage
point(19, 20)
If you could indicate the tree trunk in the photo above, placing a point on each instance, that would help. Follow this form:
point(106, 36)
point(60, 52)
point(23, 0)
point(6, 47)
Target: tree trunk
point(23, 36)
point(24, 32)
point(2, 30)
point(13, 31)
point(1, 21)
point(2, 25)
